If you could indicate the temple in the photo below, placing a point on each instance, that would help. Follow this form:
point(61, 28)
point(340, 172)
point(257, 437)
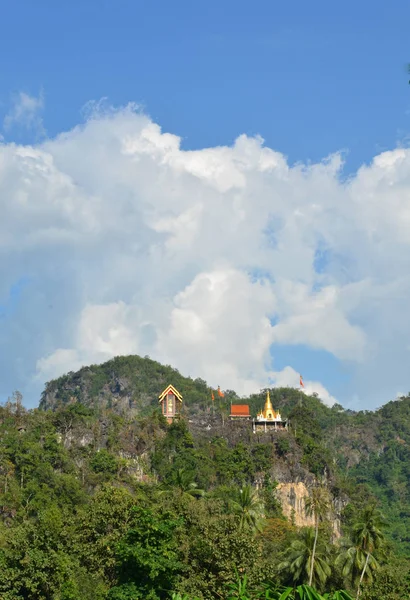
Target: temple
point(268, 418)
point(239, 412)
point(171, 403)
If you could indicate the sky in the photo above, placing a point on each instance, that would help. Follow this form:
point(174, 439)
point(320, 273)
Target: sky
point(223, 186)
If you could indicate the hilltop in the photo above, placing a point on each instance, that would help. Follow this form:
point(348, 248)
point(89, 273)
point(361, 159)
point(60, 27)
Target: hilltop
point(367, 451)
point(126, 384)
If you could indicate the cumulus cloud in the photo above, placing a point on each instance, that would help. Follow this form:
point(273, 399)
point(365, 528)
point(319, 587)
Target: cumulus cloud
point(209, 260)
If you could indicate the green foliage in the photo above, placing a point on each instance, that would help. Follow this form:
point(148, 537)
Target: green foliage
point(248, 507)
point(142, 378)
point(217, 548)
point(283, 446)
point(360, 559)
point(391, 582)
point(367, 448)
point(148, 558)
point(101, 499)
point(100, 527)
point(104, 462)
point(272, 506)
point(299, 561)
point(239, 591)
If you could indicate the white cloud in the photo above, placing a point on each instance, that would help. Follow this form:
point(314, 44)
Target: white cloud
point(317, 319)
point(102, 332)
point(288, 377)
point(26, 112)
point(208, 260)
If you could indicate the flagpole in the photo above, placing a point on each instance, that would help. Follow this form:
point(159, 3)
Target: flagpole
point(301, 385)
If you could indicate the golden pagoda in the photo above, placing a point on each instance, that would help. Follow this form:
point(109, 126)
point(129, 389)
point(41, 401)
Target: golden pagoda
point(268, 413)
point(268, 418)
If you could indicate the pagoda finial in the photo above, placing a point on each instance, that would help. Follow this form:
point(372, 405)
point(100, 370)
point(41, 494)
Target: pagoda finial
point(268, 403)
point(268, 412)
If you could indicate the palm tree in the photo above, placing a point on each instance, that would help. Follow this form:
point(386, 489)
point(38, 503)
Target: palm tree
point(317, 506)
point(249, 508)
point(367, 537)
point(307, 559)
point(353, 562)
point(185, 483)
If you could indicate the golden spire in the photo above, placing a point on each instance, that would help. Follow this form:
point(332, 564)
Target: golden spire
point(268, 403)
point(268, 412)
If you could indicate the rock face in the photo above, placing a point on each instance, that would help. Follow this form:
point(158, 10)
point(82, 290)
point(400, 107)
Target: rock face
point(292, 497)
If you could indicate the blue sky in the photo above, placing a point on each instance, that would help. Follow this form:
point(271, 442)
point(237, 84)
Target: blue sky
point(312, 79)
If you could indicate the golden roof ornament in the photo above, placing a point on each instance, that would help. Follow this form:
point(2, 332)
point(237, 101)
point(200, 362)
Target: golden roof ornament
point(268, 413)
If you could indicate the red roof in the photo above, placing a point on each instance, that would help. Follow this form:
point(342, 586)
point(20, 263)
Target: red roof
point(240, 410)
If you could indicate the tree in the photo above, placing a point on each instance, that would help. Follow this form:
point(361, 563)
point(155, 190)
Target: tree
point(148, 558)
point(183, 482)
point(359, 559)
point(368, 537)
point(101, 526)
point(186, 484)
point(216, 550)
point(391, 581)
point(317, 506)
point(300, 563)
point(37, 562)
point(105, 463)
point(248, 507)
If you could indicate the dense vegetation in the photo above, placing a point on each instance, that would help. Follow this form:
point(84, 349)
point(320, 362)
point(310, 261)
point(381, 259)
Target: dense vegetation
point(101, 499)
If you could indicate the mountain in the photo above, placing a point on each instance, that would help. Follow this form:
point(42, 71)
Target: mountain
point(86, 477)
point(365, 450)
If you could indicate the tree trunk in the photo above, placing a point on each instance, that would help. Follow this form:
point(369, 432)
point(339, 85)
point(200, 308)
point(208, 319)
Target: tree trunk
point(362, 575)
point(313, 553)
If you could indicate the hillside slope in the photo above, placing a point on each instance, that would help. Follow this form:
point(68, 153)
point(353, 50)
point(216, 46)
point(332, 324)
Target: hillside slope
point(126, 384)
point(360, 453)
point(90, 479)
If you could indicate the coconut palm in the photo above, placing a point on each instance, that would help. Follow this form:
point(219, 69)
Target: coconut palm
point(317, 505)
point(358, 560)
point(352, 561)
point(305, 558)
point(248, 507)
point(185, 483)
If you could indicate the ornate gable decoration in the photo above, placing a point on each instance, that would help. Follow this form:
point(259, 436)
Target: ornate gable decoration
point(170, 390)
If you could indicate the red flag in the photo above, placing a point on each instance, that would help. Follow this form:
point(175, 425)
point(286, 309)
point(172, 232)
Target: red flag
point(212, 395)
point(220, 394)
point(301, 381)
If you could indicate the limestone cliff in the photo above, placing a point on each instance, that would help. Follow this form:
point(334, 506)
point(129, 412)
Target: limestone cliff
point(292, 497)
